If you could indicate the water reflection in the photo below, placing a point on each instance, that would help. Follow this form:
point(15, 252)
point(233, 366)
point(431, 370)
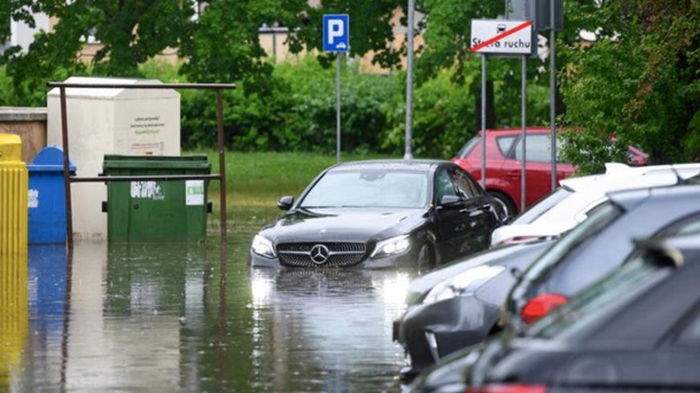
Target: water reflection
point(13, 315)
point(327, 330)
point(165, 318)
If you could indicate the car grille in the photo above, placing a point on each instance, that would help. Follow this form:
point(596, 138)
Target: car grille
point(339, 254)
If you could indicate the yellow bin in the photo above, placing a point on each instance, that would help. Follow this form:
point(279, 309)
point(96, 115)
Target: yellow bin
point(13, 196)
point(14, 316)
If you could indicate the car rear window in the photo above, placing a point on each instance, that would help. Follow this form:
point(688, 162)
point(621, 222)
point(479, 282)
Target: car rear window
point(690, 335)
point(597, 220)
point(538, 209)
point(693, 180)
point(468, 147)
point(539, 148)
point(584, 313)
point(687, 225)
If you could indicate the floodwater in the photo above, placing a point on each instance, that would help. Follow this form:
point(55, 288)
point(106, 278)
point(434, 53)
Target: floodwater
point(163, 318)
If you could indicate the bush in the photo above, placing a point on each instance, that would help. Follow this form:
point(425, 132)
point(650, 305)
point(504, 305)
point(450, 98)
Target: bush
point(294, 111)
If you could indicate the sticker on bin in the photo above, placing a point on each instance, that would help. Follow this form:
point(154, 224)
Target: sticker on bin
point(194, 192)
point(33, 201)
point(147, 190)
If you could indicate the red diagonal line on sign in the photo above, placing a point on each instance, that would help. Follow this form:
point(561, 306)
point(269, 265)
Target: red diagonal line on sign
point(502, 36)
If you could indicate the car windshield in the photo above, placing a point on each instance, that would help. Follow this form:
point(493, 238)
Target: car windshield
point(538, 209)
point(467, 148)
point(585, 312)
point(369, 188)
point(598, 218)
point(693, 180)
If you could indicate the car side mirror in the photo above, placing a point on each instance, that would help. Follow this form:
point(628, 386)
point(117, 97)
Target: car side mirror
point(285, 203)
point(447, 200)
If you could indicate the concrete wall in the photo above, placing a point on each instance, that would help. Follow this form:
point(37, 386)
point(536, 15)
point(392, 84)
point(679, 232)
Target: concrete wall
point(29, 124)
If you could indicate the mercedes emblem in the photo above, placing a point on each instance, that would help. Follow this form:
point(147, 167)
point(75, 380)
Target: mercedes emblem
point(319, 254)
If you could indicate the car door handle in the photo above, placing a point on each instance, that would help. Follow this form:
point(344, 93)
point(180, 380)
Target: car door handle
point(513, 173)
point(472, 212)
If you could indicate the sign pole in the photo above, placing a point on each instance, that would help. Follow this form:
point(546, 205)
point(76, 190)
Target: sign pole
point(552, 92)
point(483, 120)
point(409, 82)
point(336, 39)
point(501, 37)
point(337, 108)
point(523, 133)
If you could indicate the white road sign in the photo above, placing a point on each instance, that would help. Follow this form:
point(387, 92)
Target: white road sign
point(501, 36)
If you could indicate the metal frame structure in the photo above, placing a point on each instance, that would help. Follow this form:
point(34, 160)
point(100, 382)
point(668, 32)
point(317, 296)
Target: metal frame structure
point(68, 178)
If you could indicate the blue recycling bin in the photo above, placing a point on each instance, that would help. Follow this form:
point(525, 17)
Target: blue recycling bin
point(47, 197)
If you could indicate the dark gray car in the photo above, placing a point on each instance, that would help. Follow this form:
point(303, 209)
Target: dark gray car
point(636, 330)
point(458, 305)
point(598, 246)
point(588, 253)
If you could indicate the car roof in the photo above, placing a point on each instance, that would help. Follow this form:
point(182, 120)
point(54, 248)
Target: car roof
point(516, 130)
point(681, 170)
point(397, 164)
point(592, 190)
point(629, 198)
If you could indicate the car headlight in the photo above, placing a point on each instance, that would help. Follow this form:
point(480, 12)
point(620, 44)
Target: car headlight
point(462, 284)
point(263, 247)
point(392, 246)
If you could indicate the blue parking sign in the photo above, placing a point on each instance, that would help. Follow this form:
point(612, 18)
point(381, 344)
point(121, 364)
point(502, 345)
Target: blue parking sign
point(336, 33)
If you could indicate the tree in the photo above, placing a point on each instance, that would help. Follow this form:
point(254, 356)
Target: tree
point(130, 32)
point(224, 46)
point(236, 23)
point(639, 82)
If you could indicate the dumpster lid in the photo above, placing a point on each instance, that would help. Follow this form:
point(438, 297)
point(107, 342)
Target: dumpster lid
point(113, 161)
point(50, 158)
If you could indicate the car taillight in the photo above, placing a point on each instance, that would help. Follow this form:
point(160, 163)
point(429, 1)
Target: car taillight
point(540, 306)
point(508, 388)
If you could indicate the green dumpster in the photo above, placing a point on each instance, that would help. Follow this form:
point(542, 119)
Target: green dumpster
point(156, 211)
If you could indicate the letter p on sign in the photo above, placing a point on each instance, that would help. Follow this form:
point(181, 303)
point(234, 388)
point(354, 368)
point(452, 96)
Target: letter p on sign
point(336, 33)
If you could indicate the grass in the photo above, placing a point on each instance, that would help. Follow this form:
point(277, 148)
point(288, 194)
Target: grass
point(255, 181)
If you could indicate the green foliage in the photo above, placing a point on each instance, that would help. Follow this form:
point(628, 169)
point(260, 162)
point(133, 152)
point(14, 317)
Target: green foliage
point(5, 91)
point(225, 45)
point(130, 31)
point(640, 84)
point(371, 29)
point(443, 118)
point(241, 58)
point(297, 111)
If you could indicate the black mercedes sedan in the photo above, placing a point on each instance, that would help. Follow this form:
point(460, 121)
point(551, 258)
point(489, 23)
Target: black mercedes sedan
point(379, 214)
point(636, 330)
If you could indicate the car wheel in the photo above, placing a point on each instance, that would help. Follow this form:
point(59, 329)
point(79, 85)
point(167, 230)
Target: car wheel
point(505, 202)
point(426, 258)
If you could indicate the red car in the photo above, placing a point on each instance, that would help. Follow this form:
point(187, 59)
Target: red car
point(503, 154)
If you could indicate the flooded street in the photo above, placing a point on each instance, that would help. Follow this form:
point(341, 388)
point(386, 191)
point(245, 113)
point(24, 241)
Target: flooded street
point(154, 318)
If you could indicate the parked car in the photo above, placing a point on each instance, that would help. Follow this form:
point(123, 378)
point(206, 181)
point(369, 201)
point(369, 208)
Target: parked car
point(593, 249)
point(379, 214)
point(453, 307)
point(503, 164)
point(572, 202)
point(636, 330)
point(463, 317)
point(458, 305)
